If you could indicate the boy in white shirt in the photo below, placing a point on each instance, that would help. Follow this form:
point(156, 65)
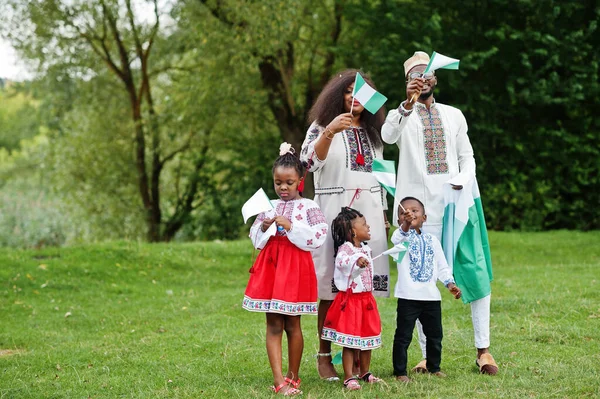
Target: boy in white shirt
point(418, 296)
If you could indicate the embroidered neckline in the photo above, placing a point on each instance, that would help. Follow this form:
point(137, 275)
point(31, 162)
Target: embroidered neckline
point(433, 104)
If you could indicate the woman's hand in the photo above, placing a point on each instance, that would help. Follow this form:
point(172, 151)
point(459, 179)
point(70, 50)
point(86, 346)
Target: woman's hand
point(340, 123)
point(386, 224)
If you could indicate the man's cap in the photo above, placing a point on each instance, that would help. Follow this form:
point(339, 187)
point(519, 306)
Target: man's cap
point(418, 58)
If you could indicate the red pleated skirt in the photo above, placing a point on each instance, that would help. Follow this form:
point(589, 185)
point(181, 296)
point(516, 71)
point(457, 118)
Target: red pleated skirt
point(353, 321)
point(282, 280)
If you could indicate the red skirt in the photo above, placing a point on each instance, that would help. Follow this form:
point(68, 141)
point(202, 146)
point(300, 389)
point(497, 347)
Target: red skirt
point(282, 280)
point(353, 321)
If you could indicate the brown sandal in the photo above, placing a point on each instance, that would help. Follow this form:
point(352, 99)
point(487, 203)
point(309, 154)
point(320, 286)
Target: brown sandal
point(486, 364)
point(421, 367)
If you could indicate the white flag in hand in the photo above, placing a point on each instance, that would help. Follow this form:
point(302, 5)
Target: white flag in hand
point(395, 251)
point(258, 203)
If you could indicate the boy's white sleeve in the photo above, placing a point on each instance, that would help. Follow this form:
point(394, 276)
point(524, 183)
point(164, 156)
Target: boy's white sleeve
point(445, 275)
point(399, 236)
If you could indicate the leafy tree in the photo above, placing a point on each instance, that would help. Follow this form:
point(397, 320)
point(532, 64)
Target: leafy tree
point(109, 41)
point(293, 45)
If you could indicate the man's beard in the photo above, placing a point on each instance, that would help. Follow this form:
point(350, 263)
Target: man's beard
point(425, 96)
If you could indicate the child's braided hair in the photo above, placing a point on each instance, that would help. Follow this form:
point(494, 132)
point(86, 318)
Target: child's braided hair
point(290, 160)
point(341, 227)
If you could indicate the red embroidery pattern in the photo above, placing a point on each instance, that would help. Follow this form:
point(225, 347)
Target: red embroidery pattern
point(284, 210)
point(363, 163)
point(315, 216)
point(346, 249)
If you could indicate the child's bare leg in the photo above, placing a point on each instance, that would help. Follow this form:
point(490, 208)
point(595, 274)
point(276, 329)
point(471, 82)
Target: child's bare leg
point(293, 330)
point(365, 365)
point(365, 361)
point(356, 368)
point(275, 325)
point(348, 362)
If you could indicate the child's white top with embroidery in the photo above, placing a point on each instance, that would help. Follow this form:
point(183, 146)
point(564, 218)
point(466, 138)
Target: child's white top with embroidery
point(348, 274)
point(422, 265)
point(309, 227)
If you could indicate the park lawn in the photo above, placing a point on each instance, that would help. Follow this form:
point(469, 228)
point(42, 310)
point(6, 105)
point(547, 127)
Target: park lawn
point(133, 320)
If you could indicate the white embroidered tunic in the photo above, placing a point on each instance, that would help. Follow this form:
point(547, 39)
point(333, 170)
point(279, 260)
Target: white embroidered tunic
point(348, 274)
point(309, 227)
point(337, 179)
point(422, 265)
point(434, 147)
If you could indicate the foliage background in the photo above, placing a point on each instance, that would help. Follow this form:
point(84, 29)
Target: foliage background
point(231, 79)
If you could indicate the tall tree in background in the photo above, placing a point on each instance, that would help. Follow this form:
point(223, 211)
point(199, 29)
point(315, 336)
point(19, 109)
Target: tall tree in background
point(294, 46)
point(88, 39)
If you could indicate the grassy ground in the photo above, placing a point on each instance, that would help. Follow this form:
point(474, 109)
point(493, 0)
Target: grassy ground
point(129, 320)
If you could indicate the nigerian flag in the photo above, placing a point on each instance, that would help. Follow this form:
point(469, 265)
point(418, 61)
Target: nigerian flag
point(385, 173)
point(371, 99)
point(439, 61)
point(465, 240)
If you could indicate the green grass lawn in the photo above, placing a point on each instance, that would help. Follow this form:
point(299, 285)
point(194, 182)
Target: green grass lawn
point(129, 320)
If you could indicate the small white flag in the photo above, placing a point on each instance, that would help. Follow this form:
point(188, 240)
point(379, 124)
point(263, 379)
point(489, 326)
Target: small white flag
point(395, 251)
point(439, 61)
point(258, 203)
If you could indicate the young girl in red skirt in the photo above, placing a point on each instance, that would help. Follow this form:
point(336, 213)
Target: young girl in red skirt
point(283, 283)
point(353, 319)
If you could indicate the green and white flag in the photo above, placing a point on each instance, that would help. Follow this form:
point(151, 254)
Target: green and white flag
point(385, 173)
point(439, 61)
point(370, 98)
point(465, 240)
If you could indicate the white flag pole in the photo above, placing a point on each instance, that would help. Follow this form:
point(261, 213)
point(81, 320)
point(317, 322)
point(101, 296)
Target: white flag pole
point(353, 92)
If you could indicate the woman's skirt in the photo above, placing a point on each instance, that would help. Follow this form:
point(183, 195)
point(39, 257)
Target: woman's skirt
point(282, 280)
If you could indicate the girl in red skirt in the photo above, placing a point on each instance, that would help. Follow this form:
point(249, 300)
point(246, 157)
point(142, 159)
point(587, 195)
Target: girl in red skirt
point(282, 281)
point(353, 319)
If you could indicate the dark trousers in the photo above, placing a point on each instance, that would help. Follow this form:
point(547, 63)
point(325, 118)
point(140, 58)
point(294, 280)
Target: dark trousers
point(407, 313)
